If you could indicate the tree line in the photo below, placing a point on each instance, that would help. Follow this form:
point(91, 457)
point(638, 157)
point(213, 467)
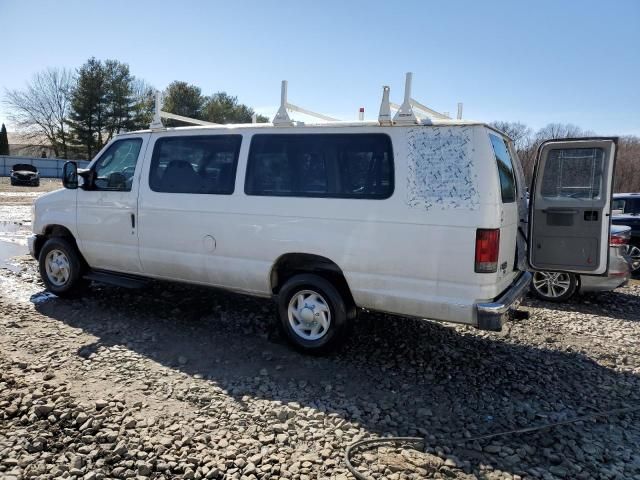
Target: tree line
point(527, 141)
point(78, 112)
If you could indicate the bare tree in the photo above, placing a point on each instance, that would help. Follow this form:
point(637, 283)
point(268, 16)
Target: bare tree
point(519, 132)
point(42, 108)
point(627, 177)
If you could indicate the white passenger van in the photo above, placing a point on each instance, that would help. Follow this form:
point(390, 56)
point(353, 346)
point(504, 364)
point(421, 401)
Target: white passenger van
point(416, 217)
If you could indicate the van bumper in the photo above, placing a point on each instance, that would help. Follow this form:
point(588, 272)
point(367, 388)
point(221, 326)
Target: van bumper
point(31, 241)
point(492, 315)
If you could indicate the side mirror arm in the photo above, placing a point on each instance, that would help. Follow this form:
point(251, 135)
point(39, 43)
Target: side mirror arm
point(88, 176)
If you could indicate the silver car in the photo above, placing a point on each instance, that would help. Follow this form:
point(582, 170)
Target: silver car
point(560, 286)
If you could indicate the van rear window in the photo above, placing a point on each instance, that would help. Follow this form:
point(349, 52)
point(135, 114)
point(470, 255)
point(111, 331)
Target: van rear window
point(320, 165)
point(505, 168)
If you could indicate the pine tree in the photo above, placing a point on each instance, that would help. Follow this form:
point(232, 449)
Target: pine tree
point(183, 99)
point(88, 107)
point(120, 102)
point(4, 141)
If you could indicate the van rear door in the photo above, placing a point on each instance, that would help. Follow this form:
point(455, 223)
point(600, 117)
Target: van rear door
point(570, 202)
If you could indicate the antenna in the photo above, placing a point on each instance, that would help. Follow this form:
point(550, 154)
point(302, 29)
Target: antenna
point(282, 116)
point(159, 114)
point(384, 117)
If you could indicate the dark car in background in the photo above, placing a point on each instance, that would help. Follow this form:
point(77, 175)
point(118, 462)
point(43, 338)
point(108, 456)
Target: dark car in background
point(25, 174)
point(625, 210)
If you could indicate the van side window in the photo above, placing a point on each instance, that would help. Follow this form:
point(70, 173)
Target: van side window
point(115, 168)
point(204, 164)
point(573, 173)
point(320, 165)
point(505, 169)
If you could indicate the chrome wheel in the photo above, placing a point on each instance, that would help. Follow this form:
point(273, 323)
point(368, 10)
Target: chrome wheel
point(551, 284)
point(633, 254)
point(57, 267)
point(309, 315)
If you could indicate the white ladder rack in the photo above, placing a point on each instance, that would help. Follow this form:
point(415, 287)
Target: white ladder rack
point(405, 113)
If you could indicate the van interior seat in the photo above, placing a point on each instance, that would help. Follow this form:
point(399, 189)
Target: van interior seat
point(179, 176)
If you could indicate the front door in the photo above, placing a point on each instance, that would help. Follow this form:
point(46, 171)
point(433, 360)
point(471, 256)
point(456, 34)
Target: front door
point(107, 210)
point(570, 206)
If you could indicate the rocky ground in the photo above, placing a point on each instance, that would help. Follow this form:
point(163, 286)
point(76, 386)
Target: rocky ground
point(181, 382)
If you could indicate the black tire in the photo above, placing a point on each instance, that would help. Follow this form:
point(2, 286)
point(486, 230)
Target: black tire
point(13, 183)
point(74, 285)
point(338, 320)
point(541, 287)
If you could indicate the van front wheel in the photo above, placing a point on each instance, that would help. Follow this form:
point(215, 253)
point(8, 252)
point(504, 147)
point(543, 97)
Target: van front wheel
point(61, 267)
point(312, 313)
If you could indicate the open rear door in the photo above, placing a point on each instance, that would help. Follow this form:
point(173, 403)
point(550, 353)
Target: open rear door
point(570, 202)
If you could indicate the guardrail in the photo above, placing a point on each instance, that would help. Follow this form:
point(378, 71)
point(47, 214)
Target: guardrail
point(48, 167)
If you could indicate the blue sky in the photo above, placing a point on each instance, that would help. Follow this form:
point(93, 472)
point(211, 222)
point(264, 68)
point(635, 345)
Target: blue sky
point(536, 61)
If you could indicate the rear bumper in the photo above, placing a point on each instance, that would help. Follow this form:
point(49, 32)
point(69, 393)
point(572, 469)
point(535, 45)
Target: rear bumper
point(492, 315)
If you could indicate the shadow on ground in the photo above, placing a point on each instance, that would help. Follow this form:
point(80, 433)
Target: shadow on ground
point(394, 376)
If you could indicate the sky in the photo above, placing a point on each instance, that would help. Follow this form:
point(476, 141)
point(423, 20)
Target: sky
point(537, 62)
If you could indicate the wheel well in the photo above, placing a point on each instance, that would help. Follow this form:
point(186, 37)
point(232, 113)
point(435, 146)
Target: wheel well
point(292, 264)
point(54, 231)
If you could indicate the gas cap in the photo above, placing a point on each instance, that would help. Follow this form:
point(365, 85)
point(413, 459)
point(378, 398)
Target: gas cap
point(209, 243)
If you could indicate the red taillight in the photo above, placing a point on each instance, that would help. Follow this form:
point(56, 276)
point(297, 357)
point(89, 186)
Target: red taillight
point(617, 240)
point(487, 249)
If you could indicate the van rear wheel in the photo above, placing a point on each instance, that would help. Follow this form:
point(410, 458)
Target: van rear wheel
point(312, 313)
point(62, 268)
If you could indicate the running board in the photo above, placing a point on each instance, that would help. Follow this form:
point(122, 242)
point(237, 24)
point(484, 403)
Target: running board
point(117, 279)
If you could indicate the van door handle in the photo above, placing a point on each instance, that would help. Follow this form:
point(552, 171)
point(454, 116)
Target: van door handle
point(559, 210)
point(133, 221)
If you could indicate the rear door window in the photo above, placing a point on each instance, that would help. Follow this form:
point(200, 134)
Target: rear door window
point(573, 173)
point(505, 168)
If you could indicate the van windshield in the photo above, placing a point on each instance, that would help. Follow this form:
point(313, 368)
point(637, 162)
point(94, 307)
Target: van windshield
point(505, 168)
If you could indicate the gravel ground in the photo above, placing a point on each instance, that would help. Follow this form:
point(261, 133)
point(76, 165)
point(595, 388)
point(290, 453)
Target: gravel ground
point(182, 382)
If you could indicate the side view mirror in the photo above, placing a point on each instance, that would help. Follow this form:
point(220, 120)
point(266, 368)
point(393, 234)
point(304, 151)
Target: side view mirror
point(70, 175)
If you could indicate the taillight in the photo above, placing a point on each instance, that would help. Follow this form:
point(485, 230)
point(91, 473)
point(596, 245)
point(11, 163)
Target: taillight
point(617, 239)
point(487, 249)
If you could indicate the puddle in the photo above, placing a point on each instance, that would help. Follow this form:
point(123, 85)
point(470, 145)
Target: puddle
point(9, 250)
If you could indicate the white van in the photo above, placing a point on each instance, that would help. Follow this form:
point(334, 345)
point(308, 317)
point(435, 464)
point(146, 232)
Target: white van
point(426, 218)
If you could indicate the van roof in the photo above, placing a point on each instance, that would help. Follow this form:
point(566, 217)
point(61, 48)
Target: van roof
point(335, 124)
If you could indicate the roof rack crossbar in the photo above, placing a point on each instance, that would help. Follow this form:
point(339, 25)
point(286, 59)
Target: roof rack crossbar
point(159, 114)
point(282, 116)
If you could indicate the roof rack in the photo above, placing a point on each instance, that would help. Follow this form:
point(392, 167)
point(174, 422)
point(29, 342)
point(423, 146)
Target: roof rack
point(405, 113)
point(282, 116)
point(159, 114)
